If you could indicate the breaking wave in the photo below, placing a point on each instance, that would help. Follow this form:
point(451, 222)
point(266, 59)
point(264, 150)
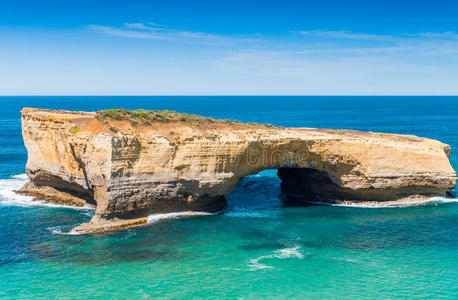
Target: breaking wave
point(9, 198)
point(292, 252)
point(392, 204)
point(158, 217)
point(64, 231)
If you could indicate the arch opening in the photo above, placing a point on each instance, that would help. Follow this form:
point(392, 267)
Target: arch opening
point(306, 185)
point(256, 192)
point(285, 186)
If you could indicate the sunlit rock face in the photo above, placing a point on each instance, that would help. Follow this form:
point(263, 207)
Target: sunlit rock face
point(132, 167)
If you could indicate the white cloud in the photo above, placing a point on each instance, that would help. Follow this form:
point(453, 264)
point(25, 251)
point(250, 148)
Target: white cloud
point(330, 42)
point(338, 62)
point(126, 33)
point(418, 44)
point(142, 26)
point(156, 31)
point(439, 35)
point(343, 34)
point(290, 73)
point(348, 35)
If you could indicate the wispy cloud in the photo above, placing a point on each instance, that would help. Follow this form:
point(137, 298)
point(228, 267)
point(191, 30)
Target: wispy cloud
point(340, 55)
point(439, 35)
point(343, 42)
point(307, 62)
point(331, 45)
point(349, 35)
point(126, 32)
point(305, 42)
point(343, 34)
point(144, 26)
point(159, 32)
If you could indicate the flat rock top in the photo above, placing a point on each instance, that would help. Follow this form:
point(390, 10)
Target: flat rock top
point(98, 122)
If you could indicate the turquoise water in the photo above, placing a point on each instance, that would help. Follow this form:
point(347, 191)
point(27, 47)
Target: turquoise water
point(257, 248)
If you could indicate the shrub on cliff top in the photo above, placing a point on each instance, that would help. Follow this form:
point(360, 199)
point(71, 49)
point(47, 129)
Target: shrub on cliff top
point(147, 117)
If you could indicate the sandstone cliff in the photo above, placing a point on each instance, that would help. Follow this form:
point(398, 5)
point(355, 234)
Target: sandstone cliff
point(132, 164)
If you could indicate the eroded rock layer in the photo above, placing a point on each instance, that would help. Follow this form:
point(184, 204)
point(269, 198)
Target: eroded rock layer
point(131, 169)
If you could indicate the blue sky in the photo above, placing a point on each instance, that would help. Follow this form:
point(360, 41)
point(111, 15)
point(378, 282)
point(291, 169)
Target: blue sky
point(228, 47)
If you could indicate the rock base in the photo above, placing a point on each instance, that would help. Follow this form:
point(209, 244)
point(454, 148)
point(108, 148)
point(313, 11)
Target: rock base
point(108, 225)
point(313, 186)
point(52, 195)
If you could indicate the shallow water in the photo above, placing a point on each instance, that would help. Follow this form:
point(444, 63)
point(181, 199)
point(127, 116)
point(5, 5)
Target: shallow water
point(257, 247)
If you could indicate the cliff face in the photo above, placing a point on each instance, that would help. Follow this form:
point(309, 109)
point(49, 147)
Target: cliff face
point(130, 170)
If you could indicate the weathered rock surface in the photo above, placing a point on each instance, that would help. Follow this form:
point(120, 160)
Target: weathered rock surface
point(131, 170)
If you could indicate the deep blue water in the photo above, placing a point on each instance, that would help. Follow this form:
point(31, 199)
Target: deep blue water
point(258, 247)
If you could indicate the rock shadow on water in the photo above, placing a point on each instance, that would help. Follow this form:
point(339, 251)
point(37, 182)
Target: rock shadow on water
point(159, 242)
point(105, 256)
point(438, 232)
point(261, 246)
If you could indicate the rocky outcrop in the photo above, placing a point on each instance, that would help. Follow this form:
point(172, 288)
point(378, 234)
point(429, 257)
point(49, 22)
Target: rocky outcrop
point(132, 164)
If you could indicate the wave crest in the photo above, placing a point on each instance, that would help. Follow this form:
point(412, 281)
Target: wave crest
point(9, 197)
point(60, 230)
point(158, 217)
point(291, 252)
point(393, 204)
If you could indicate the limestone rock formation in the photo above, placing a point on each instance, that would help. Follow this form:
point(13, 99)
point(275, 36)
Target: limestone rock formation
point(132, 164)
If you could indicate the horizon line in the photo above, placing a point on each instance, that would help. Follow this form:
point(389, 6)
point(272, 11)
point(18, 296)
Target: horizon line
point(238, 95)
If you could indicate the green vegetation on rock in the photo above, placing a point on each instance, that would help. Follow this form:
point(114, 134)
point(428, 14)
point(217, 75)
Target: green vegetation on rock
point(147, 117)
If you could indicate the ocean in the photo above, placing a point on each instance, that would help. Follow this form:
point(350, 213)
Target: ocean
point(256, 248)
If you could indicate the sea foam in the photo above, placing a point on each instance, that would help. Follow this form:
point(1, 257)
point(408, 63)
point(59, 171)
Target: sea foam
point(59, 230)
point(391, 204)
point(291, 252)
point(151, 219)
point(158, 217)
point(8, 196)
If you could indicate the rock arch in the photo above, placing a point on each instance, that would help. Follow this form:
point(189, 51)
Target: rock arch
point(134, 170)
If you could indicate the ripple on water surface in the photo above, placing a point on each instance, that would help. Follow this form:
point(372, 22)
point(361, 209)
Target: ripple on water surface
point(373, 251)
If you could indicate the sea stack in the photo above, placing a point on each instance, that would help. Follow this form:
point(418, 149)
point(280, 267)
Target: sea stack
point(130, 164)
